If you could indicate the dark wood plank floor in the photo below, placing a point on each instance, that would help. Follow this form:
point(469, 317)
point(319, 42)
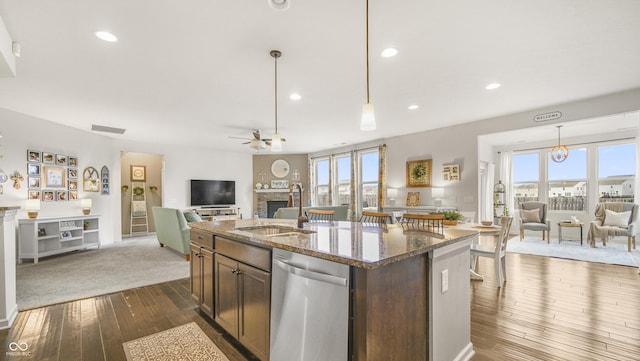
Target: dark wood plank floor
point(550, 309)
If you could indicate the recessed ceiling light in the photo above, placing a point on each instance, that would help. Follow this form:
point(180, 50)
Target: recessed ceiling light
point(389, 52)
point(295, 96)
point(492, 86)
point(413, 107)
point(106, 36)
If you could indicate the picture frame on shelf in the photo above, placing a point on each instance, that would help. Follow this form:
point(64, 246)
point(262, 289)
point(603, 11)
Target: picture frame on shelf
point(33, 182)
point(34, 156)
point(48, 158)
point(42, 232)
point(54, 177)
point(48, 196)
point(73, 161)
point(413, 199)
point(33, 169)
point(419, 173)
point(34, 194)
point(138, 173)
point(65, 234)
point(61, 159)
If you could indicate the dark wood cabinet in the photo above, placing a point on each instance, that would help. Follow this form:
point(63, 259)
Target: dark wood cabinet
point(242, 303)
point(202, 272)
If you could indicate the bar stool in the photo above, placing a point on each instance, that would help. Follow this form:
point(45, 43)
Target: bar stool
point(320, 215)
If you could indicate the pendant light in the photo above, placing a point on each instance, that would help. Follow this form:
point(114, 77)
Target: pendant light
point(560, 152)
point(368, 121)
point(276, 141)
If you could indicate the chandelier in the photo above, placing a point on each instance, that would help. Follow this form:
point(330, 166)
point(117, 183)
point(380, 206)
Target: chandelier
point(559, 152)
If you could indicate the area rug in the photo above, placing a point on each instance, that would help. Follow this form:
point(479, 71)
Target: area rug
point(613, 253)
point(135, 262)
point(186, 342)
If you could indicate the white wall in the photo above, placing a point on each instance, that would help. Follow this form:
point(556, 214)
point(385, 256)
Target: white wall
point(21, 132)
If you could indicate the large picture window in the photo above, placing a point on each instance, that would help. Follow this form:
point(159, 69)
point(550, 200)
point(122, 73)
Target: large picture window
point(567, 187)
point(322, 194)
point(525, 177)
point(616, 172)
point(368, 185)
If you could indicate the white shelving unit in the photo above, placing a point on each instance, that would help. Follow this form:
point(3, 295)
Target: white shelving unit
point(218, 213)
point(47, 236)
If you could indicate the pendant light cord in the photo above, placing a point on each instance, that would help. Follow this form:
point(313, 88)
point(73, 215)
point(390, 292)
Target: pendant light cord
point(276, 92)
point(367, 46)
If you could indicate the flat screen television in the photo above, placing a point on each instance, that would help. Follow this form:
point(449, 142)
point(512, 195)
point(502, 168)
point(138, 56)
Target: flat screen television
point(211, 193)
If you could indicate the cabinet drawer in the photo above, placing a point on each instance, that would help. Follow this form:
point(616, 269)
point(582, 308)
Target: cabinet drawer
point(251, 255)
point(202, 238)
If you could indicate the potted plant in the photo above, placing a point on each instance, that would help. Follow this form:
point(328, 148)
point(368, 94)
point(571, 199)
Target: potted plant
point(85, 225)
point(451, 218)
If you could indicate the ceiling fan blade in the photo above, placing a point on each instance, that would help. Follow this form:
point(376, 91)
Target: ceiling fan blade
point(244, 138)
point(256, 134)
point(267, 142)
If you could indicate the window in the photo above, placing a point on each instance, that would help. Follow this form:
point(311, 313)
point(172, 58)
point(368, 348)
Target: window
point(616, 172)
point(525, 177)
point(368, 185)
point(322, 183)
point(343, 180)
point(567, 189)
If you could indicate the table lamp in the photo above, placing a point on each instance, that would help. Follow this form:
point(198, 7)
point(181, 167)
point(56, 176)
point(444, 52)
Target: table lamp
point(85, 204)
point(32, 206)
point(437, 194)
point(392, 194)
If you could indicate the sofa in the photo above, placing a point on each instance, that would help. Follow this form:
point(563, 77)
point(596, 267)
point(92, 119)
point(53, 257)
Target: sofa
point(172, 229)
point(341, 212)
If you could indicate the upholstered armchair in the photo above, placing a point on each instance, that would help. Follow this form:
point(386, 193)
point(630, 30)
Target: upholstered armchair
point(533, 217)
point(614, 219)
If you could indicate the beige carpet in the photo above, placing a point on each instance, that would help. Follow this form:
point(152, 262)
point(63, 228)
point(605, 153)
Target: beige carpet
point(186, 342)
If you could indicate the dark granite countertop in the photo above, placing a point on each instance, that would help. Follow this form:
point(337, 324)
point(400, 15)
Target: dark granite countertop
point(352, 243)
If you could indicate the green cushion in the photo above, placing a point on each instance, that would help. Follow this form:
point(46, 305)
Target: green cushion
point(192, 217)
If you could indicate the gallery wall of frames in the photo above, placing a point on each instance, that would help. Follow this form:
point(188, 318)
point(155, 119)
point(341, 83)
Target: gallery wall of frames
point(55, 177)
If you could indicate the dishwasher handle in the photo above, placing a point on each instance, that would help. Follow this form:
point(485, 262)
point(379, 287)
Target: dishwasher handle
point(322, 277)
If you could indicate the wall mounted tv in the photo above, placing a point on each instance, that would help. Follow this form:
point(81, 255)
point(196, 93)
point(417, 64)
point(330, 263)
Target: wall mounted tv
point(211, 193)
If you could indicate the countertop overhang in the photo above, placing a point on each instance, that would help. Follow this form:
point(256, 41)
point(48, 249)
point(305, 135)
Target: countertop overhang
point(356, 244)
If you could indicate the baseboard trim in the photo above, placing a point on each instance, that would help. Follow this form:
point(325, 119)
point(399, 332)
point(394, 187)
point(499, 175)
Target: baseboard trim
point(8, 322)
point(466, 353)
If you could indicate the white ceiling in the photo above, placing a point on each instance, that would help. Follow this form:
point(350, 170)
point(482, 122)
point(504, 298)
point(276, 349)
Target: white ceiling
point(199, 71)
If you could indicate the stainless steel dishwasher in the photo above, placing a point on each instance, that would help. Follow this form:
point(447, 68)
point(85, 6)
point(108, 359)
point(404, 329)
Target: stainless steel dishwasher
point(309, 308)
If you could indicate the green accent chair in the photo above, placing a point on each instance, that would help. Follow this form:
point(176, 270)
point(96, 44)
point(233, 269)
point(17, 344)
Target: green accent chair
point(172, 229)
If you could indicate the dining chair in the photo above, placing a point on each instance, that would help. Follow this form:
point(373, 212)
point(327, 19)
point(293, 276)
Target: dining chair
point(432, 222)
point(374, 218)
point(320, 215)
point(498, 251)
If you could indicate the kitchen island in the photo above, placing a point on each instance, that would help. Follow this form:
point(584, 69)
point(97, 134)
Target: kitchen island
point(408, 293)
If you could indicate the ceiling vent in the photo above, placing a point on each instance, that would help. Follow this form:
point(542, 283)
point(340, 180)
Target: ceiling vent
point(102, 128)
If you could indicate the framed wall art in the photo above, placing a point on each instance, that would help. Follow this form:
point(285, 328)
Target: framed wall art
point(54, 177)
point(451, 173)
point(33, 156)
point(90, 180)
point(419, 173)
point(413, 199)
point(138, 173)
point(48, 158)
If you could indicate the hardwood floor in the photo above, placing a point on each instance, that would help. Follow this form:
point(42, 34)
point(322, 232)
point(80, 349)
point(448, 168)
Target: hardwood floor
point(550, 309)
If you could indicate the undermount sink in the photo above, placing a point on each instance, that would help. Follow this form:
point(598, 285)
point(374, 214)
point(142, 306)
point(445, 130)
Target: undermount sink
point(274, 230)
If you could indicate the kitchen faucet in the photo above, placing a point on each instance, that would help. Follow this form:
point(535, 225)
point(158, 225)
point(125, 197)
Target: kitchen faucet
point(301, 218)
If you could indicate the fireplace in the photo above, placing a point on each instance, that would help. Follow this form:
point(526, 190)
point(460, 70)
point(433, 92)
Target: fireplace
point(273, 206)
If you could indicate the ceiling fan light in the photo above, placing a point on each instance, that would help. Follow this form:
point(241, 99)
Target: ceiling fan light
point(276, 143)
point(368, 121)
point(257, 144)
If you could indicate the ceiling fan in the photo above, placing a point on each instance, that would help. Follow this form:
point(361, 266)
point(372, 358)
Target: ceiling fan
point(257, 142)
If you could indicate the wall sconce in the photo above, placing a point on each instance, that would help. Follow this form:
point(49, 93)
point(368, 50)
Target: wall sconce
point(392, 194)
point(32, 206)
point(85, 204)
point(437, 194)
